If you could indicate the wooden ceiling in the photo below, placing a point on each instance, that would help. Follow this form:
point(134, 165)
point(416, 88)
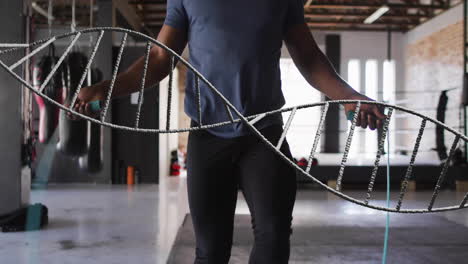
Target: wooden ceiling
point(335, 14)
point(62, 12)
point(327, 15)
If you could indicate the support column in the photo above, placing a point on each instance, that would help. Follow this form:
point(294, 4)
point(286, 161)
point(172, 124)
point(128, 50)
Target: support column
point(104, 62)
point(462, 183)
point(12, 31)
point(332, 122)
point(465, 78)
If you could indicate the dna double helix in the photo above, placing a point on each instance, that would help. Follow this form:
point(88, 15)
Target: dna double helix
point(237, 117)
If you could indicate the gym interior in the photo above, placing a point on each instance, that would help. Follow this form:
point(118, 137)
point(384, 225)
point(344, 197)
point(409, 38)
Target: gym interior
point(114, 190)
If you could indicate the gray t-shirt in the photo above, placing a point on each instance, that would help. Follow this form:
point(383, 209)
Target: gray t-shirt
point(236, 45)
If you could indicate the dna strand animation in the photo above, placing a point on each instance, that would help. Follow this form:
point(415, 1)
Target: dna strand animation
point(235, 117)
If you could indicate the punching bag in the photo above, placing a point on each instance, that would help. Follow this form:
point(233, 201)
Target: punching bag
point(465, 89)
point(440, 137)
point(48, 112)
point(73, 134)
point(92, 160)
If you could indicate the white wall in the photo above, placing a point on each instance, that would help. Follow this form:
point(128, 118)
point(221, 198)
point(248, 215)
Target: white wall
point(167, 142)
point(173, 200)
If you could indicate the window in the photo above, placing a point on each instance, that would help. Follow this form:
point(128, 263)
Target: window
point(354, 79)
point(389, 81)
point(354, 74)
point(372, 83)
point(363, 76)
point(389, 89)
point(372, 79)
point(297, 91)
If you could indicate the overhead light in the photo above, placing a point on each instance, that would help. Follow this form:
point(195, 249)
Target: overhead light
point(377, 14)
point(41, 11)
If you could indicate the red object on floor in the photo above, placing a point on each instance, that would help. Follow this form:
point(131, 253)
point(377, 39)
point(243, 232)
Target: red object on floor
point(302, 162)
point(175, 169)
point(315, 162)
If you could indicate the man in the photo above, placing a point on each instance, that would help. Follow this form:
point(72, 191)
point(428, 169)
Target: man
point(236, 45)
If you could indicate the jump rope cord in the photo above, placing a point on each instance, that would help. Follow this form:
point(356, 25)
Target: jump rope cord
point(387, 221)
point(350, 116)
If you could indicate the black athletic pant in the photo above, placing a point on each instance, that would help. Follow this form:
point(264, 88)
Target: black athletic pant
point(217, 168)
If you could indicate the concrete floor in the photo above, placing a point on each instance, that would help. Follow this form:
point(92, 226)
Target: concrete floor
point(114, 224)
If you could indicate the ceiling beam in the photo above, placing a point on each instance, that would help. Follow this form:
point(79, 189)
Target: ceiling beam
point(147, 2)
point(362, 15)
point(156, 28)
point(340, 28)
point(310, 4)
point(130, 14)
point(336, 5)
point(153, 16)
point(381, 26)
point(151, 8)
point(160, 20)
point(364, 5)
point(65, 2)
point(329, 15)
point(311, 15)
point(354, 22)
point(349, 24)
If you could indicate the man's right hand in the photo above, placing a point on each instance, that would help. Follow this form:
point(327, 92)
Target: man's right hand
point(85, 97)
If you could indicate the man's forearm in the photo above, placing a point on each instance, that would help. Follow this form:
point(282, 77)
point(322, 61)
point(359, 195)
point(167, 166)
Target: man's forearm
point(314, 65)
point(320, 73)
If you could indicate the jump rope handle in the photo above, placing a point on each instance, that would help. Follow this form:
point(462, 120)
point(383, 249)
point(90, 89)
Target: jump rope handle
point(95, 106)
point(350, 115)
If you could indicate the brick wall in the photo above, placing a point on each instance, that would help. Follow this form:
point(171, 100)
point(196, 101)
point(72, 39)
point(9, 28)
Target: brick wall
point(434, 63)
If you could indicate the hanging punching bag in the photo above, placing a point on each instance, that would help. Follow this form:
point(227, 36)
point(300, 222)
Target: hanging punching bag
point(465, 89)
point(48, 112)
point(92, 161)
point(440, 137)
point(73, 134)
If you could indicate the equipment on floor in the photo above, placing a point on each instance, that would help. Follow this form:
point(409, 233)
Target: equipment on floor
point(175, 164)
point(303, 162)
point(234, 116)
point(30, 218)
